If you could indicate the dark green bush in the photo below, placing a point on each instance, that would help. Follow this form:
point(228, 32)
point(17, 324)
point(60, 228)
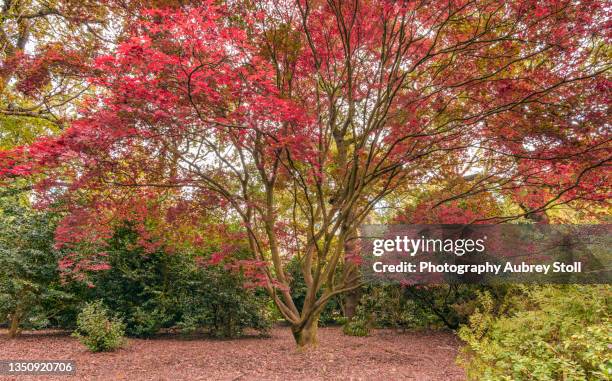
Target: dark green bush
point(31, 294)
point(356, 328)
point(391, 308)
point(414, 307)
point(360, 324)
point(214, 300)
point(139, 286)
point(447, 305)
point(540, 333)
point(98, 330)
point(151, 291)
point(386, 307)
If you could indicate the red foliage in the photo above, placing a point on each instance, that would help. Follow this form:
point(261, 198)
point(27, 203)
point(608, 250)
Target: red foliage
point(205, 109)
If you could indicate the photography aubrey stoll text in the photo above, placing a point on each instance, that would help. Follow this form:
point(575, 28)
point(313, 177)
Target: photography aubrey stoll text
point(483, 268)
point(411, 247)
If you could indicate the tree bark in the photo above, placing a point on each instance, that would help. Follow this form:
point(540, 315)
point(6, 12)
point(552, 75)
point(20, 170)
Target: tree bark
point(351, 298)
point(14, 326)
point(306, 334)
point(351, 301)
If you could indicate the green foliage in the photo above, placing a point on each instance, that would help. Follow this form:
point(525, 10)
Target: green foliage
point(449, 305)
point(387, 307)
point(158, 290)
point(30, 288)
point(138, 286)
point(392, 306)
point(99, 331)
point(356, 328)
point(359, 325)
point(215, 300)
point(17, 130)
point(540, 333)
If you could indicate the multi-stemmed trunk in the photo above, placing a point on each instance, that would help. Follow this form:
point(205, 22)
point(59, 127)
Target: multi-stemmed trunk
point(306, 334)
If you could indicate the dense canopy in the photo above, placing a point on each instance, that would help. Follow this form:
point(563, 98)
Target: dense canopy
point(285, 125)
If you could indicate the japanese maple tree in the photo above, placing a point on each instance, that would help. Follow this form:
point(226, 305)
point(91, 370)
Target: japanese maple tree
point(300, 118)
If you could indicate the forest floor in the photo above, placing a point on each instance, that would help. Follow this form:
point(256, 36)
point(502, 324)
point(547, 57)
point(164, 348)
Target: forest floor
point(385, 355)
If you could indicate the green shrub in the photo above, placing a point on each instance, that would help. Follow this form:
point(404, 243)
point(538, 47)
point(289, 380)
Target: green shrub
point(447, 305)
point(31, 293)
point(540, 333)
point(214, 300)
point(138, 287)
point(393, 306)
point(356, 328)
point(97, 330)
point(359, 325)
point(151, 291)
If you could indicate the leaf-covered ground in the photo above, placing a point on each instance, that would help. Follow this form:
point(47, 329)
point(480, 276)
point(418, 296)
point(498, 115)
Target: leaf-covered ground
point(386, 355)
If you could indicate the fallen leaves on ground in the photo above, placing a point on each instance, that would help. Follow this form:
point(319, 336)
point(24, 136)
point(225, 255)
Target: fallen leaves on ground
point(385, 355)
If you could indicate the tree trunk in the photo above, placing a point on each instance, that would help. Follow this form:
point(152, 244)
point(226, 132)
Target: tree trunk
point(14, 326)
point(306, 335)
point(351, 301)
point(351, 298)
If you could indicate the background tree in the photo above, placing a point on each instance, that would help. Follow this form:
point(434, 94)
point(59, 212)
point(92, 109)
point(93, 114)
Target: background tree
point(30, 287)
point(46, 52)
point(45, 47)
